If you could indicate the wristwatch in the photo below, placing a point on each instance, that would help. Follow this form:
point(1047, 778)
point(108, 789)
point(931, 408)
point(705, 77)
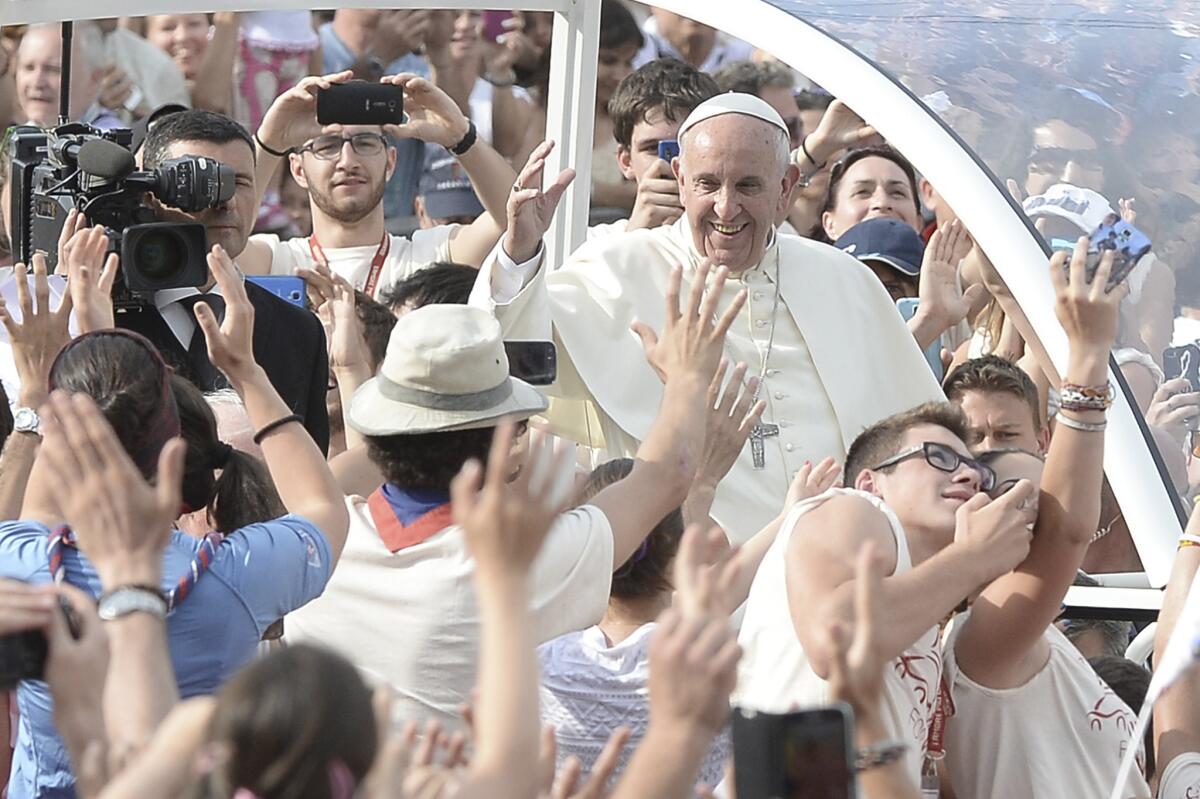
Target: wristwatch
point(25, 420)
point(131, 599)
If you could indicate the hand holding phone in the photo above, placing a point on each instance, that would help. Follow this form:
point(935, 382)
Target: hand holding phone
point(668, 149)
point(360, 102)
point(806, 754)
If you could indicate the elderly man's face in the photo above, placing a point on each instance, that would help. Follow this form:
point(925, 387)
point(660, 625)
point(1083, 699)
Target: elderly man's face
point(734, 185)
point(39, 64)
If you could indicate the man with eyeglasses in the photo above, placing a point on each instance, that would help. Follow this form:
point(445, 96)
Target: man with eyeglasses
point(344, 168)
point(916, 497)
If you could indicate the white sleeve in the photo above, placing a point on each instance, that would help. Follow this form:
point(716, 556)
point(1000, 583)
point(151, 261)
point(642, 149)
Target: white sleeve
point(571, 577)
point(282, 262)
point(509, 277)
point(426, 247)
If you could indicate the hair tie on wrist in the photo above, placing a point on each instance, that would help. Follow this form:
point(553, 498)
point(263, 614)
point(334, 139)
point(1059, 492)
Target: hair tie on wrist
point(275, 425)
point(219, 457)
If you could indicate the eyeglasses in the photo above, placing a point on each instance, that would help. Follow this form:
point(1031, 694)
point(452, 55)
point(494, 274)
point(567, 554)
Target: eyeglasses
point(944, 459)
point(329, 146)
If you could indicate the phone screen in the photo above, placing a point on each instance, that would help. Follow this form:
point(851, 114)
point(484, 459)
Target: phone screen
point(535, 362)
point(668, 149)
point(801, 755)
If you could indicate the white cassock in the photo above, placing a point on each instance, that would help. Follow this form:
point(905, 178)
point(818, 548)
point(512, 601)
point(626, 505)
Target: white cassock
point(842, 357)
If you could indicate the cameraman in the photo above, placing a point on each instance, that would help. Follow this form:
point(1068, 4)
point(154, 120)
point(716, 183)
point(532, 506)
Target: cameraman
point(288, 341)
point(345, 168)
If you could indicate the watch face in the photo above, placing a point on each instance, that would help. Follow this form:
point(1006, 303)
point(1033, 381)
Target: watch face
point(25, 420)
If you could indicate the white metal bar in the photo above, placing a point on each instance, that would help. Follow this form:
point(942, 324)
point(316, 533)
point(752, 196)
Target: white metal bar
point(13, 12)
point(987, 213)
point(1085, 596)
point(570, 118)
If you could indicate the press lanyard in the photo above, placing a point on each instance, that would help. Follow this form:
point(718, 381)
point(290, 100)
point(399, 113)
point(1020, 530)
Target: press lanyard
point(935, 745)
point(381, 254)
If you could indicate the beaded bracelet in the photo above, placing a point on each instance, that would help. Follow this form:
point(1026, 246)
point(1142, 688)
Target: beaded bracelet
point(879, 754)
point(1085, 398)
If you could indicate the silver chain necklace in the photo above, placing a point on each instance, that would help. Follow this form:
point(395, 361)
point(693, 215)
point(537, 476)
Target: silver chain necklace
point(761, 431)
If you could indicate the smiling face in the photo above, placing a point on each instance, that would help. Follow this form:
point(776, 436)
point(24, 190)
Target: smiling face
point(925, 499)
point(184, 37)
point(734, 181)
point(39, 65)
point(229, 224)
point(350, 186)
point(467, 37)
point(871, 187)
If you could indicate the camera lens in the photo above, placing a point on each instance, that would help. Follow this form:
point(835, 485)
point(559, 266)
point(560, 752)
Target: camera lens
point(160, 254)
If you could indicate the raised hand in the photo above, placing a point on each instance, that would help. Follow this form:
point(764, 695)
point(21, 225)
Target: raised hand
point(120, 521)
point(998, 531)
point(231, 343)
point(812, 481)
point(943, 303)
point(839, 129)
point(432, 115)
point(347, 349)
point(318, 285)
point(39, 336)
point(1175, 408)
point(23, 607)
point(693, 669)
point(733, 413)
point(91, 271)
point(531, 208)
point(564, 783)
point(292, 118)
point(400, 32)
point(693, 337)
point(505, 523)
point(707, 573)
point(74, 223)
point(1088, 311)
point(857, 662)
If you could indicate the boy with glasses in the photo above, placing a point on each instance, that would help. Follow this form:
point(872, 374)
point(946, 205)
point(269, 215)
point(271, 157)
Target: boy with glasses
point(344, 169)
point(916, 494)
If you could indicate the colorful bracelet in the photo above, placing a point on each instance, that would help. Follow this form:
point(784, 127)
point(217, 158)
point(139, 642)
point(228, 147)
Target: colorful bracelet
point(879, 754)
point(1085, 398)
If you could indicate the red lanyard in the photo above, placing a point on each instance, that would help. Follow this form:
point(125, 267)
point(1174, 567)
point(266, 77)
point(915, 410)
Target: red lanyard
point(381, 254)
point(935, 746)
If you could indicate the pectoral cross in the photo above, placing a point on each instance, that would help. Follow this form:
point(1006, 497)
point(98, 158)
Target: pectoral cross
point(758, 434)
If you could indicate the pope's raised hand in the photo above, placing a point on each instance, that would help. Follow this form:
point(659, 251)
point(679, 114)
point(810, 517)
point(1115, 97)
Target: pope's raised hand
point(530, 207)
point(693, 337)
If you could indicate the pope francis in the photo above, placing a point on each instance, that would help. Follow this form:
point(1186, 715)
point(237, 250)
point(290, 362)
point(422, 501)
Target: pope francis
point(818, 327)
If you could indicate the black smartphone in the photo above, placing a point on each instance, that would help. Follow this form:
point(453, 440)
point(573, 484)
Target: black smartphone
point(535, 362)
point(668, 149)
point(360, 102)
point(23, 655)
point(1182, 361)
point(806, 754)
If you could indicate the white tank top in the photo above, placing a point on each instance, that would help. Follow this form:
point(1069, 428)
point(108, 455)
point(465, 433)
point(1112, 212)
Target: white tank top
point(1062, 734)
point(774, 675)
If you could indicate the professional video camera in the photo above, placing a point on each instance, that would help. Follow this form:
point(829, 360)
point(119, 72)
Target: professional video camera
point(77, 166)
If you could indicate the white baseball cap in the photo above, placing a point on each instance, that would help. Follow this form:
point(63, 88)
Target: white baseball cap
point(1084, 208)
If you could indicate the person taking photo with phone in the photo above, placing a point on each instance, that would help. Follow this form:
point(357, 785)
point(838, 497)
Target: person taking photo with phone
point(345, 168)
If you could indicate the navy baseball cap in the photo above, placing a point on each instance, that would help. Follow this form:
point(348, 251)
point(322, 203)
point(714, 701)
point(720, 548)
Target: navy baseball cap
point(886, 240)
point(446, 188)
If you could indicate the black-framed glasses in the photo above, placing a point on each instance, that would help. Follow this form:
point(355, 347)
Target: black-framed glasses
point(944, 459)
point(329, 146)
point(992, 455)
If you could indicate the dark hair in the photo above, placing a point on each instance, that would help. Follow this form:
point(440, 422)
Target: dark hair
point(6, 418)
point(842, 166)
point(377, 321)
point(126, 377)
point(882, 440)
point(647, 572)
point(428, 461)
point(991, 374)
point(441, 283)
point(808, 100)
point(665, 85)
point(748, 77)
point(193, 125)
point(618, 28)
point(1130, 681)
point(244, 493)
point(289, 721)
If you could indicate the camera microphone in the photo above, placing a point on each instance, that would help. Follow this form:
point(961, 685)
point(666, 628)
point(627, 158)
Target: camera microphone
point(105, 159)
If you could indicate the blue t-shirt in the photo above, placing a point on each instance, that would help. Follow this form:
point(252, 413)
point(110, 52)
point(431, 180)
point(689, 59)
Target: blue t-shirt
point(399, 192)
point(260, 573)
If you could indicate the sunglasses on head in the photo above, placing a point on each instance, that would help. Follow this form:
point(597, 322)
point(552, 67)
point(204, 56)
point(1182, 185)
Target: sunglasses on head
point(329, 146)
point(944, 459)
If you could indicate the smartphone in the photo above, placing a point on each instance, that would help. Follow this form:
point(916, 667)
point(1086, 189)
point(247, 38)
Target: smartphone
point(535, 362)
point(1182, 361)
point(23, 655)
point(806, 754)
point(1129, 243)
point(668, 149)
point(493, 24)
point(360, 102)
point(907, 307)
point(285, 287)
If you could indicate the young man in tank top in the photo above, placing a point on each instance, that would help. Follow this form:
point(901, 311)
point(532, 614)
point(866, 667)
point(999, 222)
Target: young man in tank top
point(1032, 718)
point(916, 494)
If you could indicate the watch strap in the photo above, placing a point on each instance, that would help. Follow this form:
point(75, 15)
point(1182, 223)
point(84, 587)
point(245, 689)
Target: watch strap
point(26, 420)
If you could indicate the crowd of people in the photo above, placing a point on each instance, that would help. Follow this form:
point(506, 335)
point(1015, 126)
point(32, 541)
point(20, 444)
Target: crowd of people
point(801, 447)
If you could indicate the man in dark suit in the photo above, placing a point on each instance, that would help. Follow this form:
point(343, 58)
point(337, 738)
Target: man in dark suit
point(288, 341)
